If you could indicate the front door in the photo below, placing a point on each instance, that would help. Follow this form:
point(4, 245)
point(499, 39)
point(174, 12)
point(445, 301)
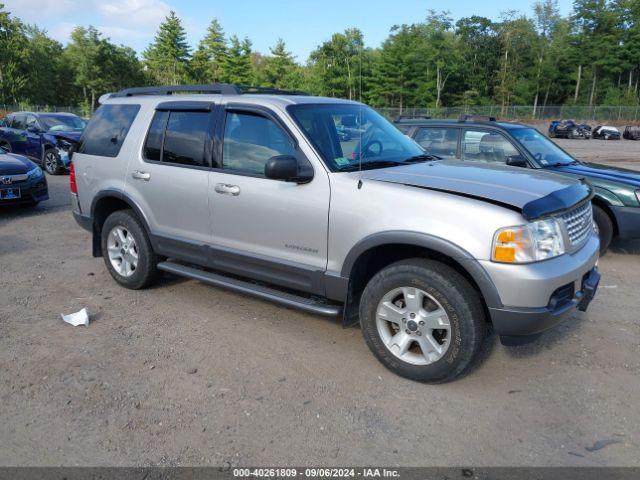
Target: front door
point(263, 228)
point(169, 180)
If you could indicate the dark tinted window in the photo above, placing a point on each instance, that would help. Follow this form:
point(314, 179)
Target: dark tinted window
point(438, 141)
point(107, 130)
point(153, 145)
point(250, 141)
point(19, 122)
point(185, 138)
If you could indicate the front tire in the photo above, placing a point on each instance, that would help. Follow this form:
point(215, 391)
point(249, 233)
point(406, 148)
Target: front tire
point(127, 251)
point(605, 228)
point(51, 162)
point(422, 320)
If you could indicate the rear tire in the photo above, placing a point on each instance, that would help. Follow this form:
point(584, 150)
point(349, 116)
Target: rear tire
point(402, 329)
point(605, 228)
point(127, 251)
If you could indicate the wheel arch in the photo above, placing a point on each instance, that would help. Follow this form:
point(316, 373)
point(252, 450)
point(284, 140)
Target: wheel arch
point(602, 201)
point(104, 204)
point(377, 251)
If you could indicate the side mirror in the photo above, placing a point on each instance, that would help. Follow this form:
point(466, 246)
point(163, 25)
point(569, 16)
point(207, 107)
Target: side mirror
point(33, 129)
point(286, 168)
point(517, 161)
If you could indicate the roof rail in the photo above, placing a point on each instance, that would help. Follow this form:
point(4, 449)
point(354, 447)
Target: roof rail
point(212, 88)
point(476, 118)
point(399, 118)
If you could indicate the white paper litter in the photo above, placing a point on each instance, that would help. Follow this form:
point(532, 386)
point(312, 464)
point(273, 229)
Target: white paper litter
point(77, 318)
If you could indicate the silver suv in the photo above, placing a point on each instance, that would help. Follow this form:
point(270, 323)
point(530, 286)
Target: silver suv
point(323, 205)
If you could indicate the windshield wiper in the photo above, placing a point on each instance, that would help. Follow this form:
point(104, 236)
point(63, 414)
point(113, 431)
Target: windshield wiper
point(425, 157)
point(368, 165)
point(562, 164)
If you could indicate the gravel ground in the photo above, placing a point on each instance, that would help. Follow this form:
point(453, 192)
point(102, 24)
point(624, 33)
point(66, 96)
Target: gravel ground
point(187, 374)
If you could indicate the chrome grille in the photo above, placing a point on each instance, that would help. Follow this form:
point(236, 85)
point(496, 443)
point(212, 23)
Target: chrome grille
point(579, 223)
point(8, 180)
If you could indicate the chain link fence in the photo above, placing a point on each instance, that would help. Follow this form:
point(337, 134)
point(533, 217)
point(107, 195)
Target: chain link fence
point(621, 114)
point(576, 112)
point(6, 108)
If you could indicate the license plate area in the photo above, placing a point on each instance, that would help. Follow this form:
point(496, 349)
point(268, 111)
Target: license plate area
point(9, 193)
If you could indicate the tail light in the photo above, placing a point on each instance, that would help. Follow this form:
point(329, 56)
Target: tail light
point(72, 179)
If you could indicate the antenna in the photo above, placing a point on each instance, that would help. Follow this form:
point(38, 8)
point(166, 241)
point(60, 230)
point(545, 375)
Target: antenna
point(360, 114)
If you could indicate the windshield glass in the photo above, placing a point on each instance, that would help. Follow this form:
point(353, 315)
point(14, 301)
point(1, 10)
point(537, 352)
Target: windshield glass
point(543, 150)
point(349, 136)
point(61, 122)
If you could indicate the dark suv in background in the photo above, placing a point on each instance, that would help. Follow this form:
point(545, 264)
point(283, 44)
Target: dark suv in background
point(616, 205)
point(44, 138)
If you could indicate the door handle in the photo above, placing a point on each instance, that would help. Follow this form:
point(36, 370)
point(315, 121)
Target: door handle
point(138, 175)
point(227, 189)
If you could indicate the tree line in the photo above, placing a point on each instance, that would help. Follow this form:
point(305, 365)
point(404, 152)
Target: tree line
point(590, 57)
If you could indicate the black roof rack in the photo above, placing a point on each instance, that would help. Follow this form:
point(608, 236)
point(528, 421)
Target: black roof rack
point(477, 118)
point(400, 118)
point(212, 88)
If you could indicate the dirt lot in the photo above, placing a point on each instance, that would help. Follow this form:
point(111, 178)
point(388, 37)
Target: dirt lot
point(274, 386)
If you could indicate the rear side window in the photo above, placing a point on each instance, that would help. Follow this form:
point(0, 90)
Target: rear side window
point(107, 130)
point(438, 141)
point(178, 138)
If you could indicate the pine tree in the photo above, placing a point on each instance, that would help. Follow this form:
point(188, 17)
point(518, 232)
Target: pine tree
point(237, 66)
point(166, 59)
point(209, 59)
point(280, 69)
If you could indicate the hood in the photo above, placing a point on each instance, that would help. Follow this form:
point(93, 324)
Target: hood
point(595, 171)
point(71, 136)
point(11, 164)
point(532, 192)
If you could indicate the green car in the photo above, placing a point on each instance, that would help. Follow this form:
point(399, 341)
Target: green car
point(616, 205)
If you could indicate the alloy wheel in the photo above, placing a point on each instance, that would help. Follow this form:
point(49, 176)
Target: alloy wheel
point(413, 325)
point(123, 251)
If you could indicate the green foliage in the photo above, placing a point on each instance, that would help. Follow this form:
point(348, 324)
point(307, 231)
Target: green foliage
point(237, 67)
point(588, 58)
point(207, 64)
point(167, 58)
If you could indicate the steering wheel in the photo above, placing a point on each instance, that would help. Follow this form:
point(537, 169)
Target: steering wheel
point(538, 156)
point(367, 151)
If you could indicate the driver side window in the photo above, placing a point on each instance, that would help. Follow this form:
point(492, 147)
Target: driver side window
point(486, 146)
point(250, 140)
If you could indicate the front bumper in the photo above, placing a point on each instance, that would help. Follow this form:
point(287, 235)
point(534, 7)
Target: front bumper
point(535, 297)
point(628, 221)
point(529, 322)
point(31, 191)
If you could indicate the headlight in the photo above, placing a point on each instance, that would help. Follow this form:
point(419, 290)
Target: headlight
point(35, 172)
point(63, 145)
point(533, 242)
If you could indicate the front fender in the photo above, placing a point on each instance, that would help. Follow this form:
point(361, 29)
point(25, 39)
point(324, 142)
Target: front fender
point(436, 244)
point(607, 196)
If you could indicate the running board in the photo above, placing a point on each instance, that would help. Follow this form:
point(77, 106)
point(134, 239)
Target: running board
point(260, 291)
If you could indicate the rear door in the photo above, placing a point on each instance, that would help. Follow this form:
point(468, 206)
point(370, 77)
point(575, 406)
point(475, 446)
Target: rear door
point(17, 134)
point(168, 179)
point(262, 228)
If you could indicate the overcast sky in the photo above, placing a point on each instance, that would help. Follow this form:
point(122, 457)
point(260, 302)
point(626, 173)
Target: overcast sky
point(303, 24)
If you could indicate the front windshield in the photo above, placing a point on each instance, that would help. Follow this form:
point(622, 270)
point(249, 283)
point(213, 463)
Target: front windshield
point(546, 153)
point(352, 136)
point(61, 122)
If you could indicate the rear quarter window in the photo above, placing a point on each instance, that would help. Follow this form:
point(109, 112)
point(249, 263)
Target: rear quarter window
point(107, 130)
